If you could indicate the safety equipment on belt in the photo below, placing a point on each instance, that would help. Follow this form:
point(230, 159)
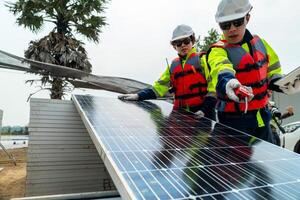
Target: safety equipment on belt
point(291, 88)
point(182, 31)
point(245, 95)
point(232, 9)
point(231, 85)
point(129, 97)
point(244, 92)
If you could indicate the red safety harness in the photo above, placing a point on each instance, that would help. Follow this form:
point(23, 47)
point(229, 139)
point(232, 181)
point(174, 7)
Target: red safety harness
point(188, 82)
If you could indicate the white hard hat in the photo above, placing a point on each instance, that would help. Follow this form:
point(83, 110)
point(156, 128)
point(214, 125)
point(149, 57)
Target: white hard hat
point(232, 9)
point(182, 31)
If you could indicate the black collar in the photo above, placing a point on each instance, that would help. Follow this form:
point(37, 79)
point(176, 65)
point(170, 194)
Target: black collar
point(247, 37)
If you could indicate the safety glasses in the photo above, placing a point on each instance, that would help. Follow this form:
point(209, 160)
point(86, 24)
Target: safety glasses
point(179, 43)
point(237, 23)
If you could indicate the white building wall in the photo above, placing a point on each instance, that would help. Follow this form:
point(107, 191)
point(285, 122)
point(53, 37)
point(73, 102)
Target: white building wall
point(61, 155)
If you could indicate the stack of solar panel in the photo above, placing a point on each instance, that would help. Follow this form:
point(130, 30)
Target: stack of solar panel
point(154, 152)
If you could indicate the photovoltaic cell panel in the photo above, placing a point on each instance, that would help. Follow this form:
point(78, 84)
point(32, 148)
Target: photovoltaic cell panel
point(154, 152)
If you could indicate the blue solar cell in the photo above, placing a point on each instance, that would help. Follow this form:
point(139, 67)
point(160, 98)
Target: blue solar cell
point(155, 152)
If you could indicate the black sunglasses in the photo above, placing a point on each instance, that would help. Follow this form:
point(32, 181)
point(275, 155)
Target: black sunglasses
point(185, 41)
point(237, 23)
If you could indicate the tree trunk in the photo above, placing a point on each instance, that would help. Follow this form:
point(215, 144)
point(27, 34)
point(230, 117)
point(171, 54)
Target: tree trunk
point(57, 89)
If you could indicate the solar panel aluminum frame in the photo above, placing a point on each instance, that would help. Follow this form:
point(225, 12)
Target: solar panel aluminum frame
point(122, 186)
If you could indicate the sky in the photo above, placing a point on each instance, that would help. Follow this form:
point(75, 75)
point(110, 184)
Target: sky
point(135, 44)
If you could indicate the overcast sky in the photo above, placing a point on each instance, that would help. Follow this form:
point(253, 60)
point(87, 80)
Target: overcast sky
point(136, 42)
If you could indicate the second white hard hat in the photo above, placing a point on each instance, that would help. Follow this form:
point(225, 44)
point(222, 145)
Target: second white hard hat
point(182, 31)
point(232, 9)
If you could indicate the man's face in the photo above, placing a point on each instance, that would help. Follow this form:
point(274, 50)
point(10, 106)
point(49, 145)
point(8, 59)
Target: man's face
point(183, 46)
point(234, 30)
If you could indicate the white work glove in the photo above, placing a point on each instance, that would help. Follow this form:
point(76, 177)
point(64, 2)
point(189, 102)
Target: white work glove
point(291, 88)
point(199, 114)
point(129, 97)
point(230, 86)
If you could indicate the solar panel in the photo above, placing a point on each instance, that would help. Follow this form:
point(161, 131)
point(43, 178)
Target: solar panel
point(153, 152)
point(81, 79)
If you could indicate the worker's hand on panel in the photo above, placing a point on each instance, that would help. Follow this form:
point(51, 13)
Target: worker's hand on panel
point(199, 114)
point(129, 97)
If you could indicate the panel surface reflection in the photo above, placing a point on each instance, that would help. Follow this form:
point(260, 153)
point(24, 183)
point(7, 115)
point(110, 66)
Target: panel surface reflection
point(166, 154)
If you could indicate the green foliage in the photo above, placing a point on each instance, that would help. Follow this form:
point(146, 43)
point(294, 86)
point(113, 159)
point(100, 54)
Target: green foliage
point(213, 36)
point(60, 47)
point(14, 130)
point(68, 15)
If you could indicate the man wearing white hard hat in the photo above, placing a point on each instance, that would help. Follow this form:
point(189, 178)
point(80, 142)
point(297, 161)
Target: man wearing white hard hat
point(243, 62)
point(187, 77)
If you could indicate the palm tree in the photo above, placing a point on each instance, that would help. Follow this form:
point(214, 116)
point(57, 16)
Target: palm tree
point(60, 46)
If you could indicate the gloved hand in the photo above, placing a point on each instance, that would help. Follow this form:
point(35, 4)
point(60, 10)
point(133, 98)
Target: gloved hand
point(230, 86)
point(291, 88)
point(199, 114)
point(129, 97)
